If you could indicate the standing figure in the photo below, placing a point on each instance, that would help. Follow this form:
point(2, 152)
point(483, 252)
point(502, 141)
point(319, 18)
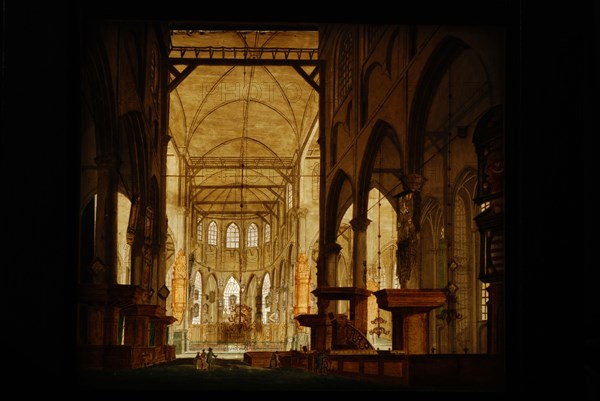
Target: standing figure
point(274, 363)
point(198, 361)
point(203, 359)
point(210, 357)
point(322, 363)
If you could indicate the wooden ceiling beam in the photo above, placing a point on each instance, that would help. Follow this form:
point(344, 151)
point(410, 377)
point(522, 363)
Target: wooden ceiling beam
point(234, 186)
point(308, 78)
point(224, 202)
point(227, 212)
point(179, 77)
point(240, 62)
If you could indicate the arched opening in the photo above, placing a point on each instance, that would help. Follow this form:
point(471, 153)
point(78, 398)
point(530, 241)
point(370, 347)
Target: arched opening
point(381, 265)
point(123, 245)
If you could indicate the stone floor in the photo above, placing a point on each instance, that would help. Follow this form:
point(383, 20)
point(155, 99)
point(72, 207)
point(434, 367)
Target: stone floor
point(229, 374)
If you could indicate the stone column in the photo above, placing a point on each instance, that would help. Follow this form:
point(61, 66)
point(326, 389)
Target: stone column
point(179, 287)
point(359, 264)
point(301, 240)
point(162, 224)
point(106, 219)
point(332, 252)
point(322, 268)
point(302, 286)
point(148, 249)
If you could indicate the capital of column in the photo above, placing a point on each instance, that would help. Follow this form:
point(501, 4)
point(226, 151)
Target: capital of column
point(333, 248)
point(360, 223)
point(413, 182)
point(301, 212)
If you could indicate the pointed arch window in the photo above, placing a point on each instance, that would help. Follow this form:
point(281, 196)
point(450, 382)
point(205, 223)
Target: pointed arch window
point(231, 294)
point(395, 277)
point(199, 228)
point(267, 233)
point(460, 229)
point(469, 293)
point(197, 300)
point(233, 236)
point(484, 300)
point(266, 298)
point(462, 273)
point(252, 235)
point(212, 233)
point(315, 181)
point(344, 67)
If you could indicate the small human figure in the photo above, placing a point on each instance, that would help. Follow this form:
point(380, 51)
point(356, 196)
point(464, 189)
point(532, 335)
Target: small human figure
point(203, 359)
point(198, 361)
point(318, 361)
point(322, 363)
point(275, 362)
point(304, 349)
point(210, 357)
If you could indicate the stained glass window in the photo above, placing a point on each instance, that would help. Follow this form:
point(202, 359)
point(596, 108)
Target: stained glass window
point(212, 233)
point(344, 67)
point(484, 301)
point(252, 235)
point(266, 298)
point(462, 274)
point(231, 294)
point(460, 229)
point(196, 309)
point(233, 236)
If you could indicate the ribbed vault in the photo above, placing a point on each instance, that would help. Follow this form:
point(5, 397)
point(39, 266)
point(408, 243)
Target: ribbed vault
point(242, 106)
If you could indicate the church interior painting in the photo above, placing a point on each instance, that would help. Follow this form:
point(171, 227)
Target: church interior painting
point(303, 188)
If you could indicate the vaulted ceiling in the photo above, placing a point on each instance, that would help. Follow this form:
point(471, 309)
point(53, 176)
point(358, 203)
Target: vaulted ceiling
point(243, 106)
